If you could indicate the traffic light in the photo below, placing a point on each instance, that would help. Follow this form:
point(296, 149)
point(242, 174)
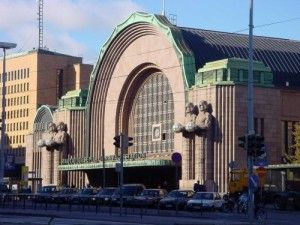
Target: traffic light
point(243, 142)
point(259, 147)
point(251, 140)
point(126, 141)
point(130, 141)
point(117, 142)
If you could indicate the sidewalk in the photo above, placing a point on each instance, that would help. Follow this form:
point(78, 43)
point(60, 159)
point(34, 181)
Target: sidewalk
point(129, 218)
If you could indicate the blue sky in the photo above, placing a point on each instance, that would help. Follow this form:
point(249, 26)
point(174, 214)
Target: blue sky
point(80, 27)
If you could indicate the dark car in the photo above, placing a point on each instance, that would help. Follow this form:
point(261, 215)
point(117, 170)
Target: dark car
point(45, 193)
point(64, 196)
point(104, 196)
point(150, 197)
point(4, 191)
point(130, 191)
point(176, 198)
point(84, 196)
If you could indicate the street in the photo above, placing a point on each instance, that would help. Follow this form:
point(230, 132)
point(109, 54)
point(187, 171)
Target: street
point(131, 216)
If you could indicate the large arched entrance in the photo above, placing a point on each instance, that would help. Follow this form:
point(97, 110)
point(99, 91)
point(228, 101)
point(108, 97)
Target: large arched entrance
point(142, 71)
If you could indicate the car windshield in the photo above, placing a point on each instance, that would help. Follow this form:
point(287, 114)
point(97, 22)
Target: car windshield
point(48, 189)
point(86, 191)
point(3, 187)
point(178, 194)
point(68, 191)
point(108, 191)
point(204, 196)
point(150, 193)
point(130, 190)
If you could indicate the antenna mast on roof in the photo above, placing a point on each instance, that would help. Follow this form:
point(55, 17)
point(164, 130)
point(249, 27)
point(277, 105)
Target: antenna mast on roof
point(163, 8)
point(40, 19)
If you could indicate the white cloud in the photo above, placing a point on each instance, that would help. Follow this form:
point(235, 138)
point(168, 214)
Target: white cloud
point(67, 23)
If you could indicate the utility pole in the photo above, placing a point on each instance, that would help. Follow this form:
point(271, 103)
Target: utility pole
point(4, 46)
point(250, 126)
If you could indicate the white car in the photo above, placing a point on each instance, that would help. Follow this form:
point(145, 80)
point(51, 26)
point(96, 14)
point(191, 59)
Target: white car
point(205, 200)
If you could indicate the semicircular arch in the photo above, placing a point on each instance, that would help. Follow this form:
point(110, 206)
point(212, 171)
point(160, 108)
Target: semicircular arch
point(137, 44)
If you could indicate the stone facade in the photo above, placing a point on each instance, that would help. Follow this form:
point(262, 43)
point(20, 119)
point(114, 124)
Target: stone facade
point(207, 104)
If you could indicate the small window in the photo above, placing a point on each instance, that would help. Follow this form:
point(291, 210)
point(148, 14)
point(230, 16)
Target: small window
point(164, 136)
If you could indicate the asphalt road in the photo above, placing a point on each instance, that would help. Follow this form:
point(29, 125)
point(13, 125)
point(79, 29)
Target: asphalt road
point(77, 216)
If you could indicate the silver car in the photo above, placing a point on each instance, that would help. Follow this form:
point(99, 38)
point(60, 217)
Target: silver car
point(205, 200)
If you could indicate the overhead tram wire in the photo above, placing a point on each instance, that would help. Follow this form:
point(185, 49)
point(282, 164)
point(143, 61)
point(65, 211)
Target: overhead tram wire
point(269, 24)
point(129, 56)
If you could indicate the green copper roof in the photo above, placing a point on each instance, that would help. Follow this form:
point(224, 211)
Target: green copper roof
point(172, 33)
point(75, 99)
point(233, 71)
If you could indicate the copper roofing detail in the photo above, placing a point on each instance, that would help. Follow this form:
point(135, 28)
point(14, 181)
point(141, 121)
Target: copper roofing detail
point(281, 55)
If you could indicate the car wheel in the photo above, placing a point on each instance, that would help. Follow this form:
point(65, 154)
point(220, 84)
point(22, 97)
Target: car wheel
point(279, 203)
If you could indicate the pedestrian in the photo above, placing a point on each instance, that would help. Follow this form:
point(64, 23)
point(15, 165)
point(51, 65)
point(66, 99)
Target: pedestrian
point(165, 185)
point(197, 186)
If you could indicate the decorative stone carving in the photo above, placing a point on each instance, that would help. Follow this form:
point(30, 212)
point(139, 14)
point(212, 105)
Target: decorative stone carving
point(55, 138)
point(204, 143)
point(197, 151)
point(190, 119)
point(55, 141)
point(204, 118)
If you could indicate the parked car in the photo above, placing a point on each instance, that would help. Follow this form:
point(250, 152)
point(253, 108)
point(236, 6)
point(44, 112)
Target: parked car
point(176, 198)
point(129, 192)
point(45, 193)
point(4, 191)
point(104, 196)
point(150, 197)
point(84, 196)
point(64, 196)
point(205, 200)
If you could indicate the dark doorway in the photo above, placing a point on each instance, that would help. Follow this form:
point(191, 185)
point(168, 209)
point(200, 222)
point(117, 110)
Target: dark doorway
point(151, 177)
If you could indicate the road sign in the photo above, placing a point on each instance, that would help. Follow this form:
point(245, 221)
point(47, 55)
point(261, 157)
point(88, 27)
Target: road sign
point(254, 181)
point(261, 171)
point(262, 161)
point(176, 157)
point(118, 167)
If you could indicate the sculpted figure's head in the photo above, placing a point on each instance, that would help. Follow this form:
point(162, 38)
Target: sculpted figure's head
point(189, 107)
point(51, 127)
point(62, 127)
point(203, 106)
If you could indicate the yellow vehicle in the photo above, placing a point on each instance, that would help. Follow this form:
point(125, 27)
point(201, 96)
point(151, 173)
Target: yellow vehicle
point(238, 181)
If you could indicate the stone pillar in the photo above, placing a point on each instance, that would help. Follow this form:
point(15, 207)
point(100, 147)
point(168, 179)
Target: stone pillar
point(56, 172)
point(46, 167)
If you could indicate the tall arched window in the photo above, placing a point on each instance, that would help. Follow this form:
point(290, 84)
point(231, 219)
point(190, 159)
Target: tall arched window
point(152, 116)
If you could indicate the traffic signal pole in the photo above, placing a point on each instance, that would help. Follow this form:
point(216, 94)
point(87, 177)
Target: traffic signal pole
point(250, 125)
point(121, 173)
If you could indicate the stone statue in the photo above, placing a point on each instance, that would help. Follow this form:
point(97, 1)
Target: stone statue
point(204, 118)
point(204, 143)
point(48, 137)
point(55, 137)
point(61, 136)
point(190, 119)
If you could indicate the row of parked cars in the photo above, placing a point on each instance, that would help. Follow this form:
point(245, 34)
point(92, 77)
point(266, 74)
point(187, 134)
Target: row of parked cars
point(133, 195)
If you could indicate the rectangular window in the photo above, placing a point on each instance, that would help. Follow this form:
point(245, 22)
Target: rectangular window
point(59, 83)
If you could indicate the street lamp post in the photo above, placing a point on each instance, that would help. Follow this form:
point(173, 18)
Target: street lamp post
point(250, 124)
point(4, 46)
